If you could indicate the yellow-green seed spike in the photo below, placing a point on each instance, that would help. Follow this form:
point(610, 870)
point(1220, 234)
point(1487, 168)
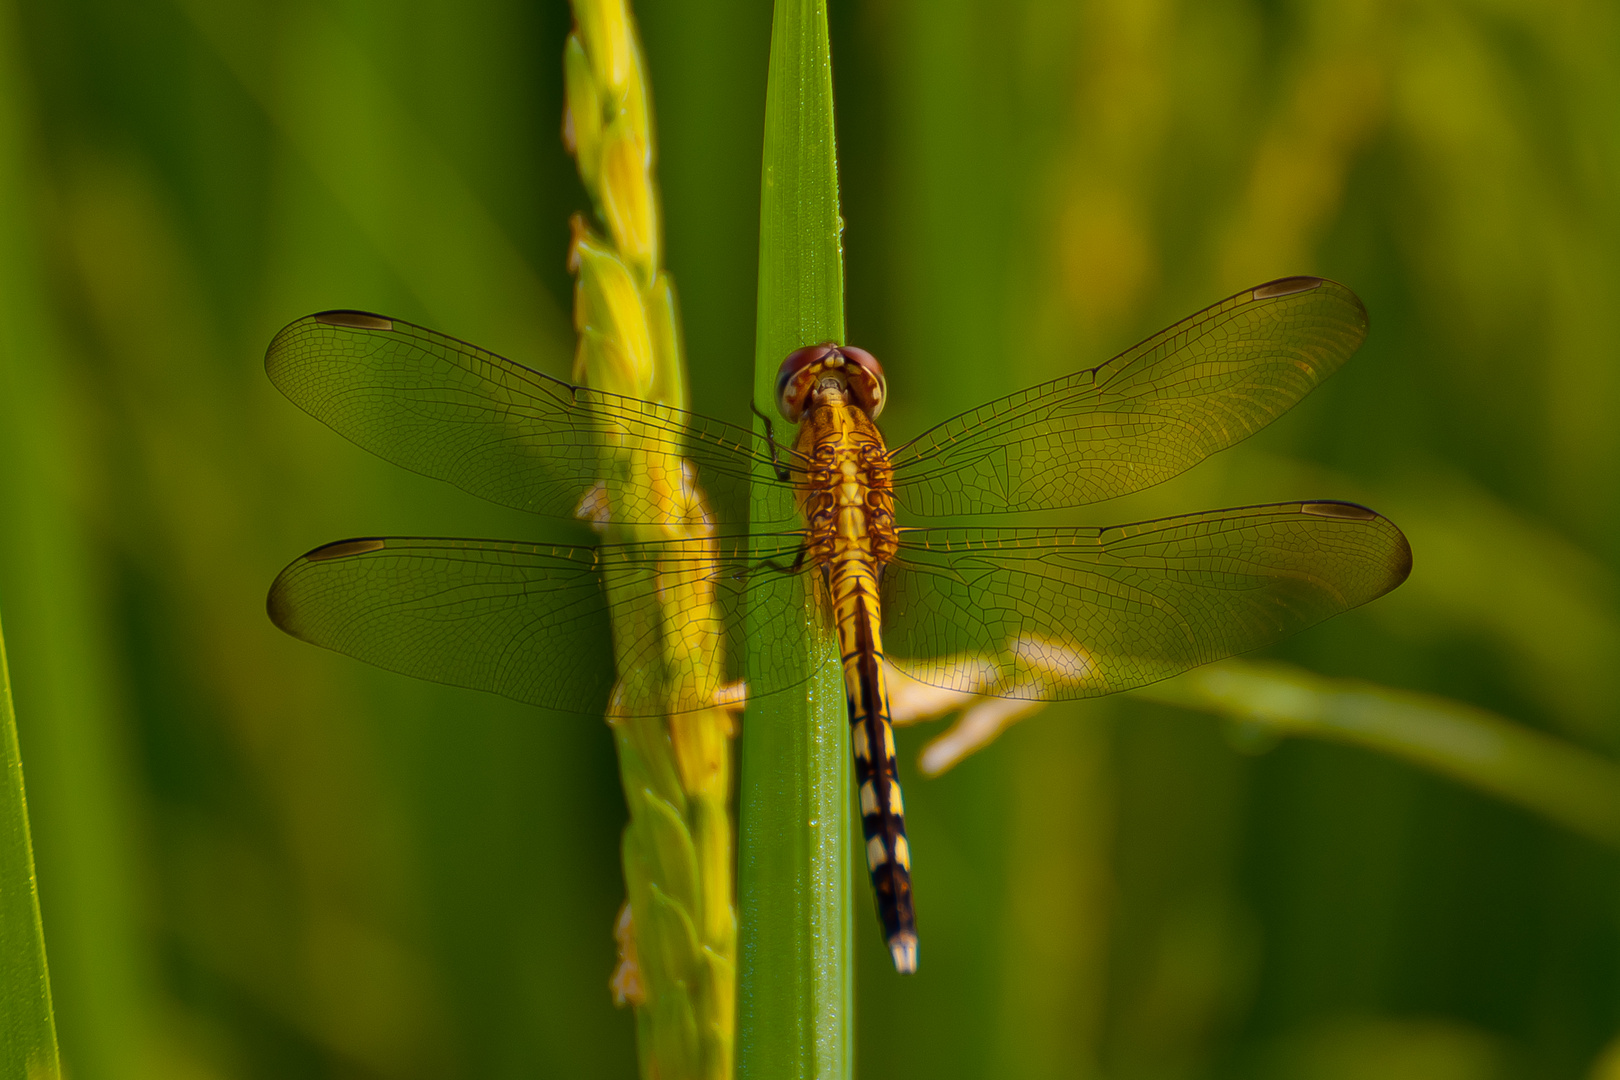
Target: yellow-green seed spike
point(678, 937)
point(582, 115)
point(664, 326)
point(628, 203)
point(604, 27)
point(608, 304)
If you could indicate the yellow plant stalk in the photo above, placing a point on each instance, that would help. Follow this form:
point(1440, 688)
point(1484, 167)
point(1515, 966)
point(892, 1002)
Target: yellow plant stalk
point(678, 932)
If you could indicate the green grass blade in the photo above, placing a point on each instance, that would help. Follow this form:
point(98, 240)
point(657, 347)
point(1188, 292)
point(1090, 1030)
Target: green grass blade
point(796, 989)
point(1564, 783)
point(27, 1026)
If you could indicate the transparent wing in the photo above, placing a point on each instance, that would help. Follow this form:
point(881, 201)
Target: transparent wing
point(1144, 416)
point(538, 622)
point(1052, 614)
point(493, 427)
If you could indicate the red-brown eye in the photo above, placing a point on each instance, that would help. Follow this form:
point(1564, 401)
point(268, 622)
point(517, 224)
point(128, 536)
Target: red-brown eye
point(866, 382)
point(797, 377)
point(857, 369)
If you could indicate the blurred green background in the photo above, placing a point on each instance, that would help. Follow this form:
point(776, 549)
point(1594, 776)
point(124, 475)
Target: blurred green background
point(257, 859)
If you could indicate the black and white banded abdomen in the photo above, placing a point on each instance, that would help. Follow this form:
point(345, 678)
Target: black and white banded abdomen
point(888, 856)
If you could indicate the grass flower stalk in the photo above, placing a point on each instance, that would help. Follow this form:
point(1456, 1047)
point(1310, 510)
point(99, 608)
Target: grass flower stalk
point(677, 933)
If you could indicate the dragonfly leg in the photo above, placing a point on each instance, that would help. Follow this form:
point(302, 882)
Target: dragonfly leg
point(796, 566)
point(770, 437)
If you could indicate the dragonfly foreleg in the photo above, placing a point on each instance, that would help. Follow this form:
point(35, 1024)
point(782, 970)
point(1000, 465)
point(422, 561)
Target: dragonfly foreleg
point(770, 439)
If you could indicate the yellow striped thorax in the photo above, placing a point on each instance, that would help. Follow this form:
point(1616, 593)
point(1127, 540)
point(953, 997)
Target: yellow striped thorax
point(833, 393)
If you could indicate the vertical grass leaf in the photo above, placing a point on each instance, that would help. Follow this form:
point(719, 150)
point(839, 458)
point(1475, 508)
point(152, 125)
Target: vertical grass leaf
point(795, 973)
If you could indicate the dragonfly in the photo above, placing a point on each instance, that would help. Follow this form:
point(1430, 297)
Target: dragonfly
point(1020, 612)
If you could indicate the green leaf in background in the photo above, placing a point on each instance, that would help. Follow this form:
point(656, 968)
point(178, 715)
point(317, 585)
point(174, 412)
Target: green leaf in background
point(27, 1026)
point(1267, 702)
point(795, 992)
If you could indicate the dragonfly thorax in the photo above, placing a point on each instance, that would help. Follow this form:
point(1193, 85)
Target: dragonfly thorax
point(809, 374)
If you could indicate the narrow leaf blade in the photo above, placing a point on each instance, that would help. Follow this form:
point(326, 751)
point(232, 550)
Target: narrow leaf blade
point(796, 984)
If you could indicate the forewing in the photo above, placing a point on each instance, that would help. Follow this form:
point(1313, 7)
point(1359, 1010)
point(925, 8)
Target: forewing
point(550, 625)
point(453, 411)
point(1144, 416)
point(1052, 614)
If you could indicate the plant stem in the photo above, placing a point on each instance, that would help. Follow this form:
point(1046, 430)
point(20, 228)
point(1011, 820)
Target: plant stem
point(796, 993)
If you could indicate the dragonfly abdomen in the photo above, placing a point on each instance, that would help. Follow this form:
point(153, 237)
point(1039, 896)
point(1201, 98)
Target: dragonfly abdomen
point(848, 503)
point(888, 856)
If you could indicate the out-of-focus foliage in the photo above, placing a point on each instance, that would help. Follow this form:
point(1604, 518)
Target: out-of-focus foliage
point(258, 860)
point(28, 1049)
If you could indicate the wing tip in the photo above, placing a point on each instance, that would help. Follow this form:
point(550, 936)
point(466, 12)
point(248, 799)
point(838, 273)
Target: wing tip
point(278, 603)
point(276, 606)
point(340, 317)
point(1401, 568)
point(1400, 565)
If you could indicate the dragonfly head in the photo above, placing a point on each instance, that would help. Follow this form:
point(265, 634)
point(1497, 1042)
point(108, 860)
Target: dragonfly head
point(806, 371)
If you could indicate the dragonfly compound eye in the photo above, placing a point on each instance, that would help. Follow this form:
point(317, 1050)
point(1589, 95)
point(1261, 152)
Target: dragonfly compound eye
point(804, 369)
point(797, 377)
point(866, 382)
